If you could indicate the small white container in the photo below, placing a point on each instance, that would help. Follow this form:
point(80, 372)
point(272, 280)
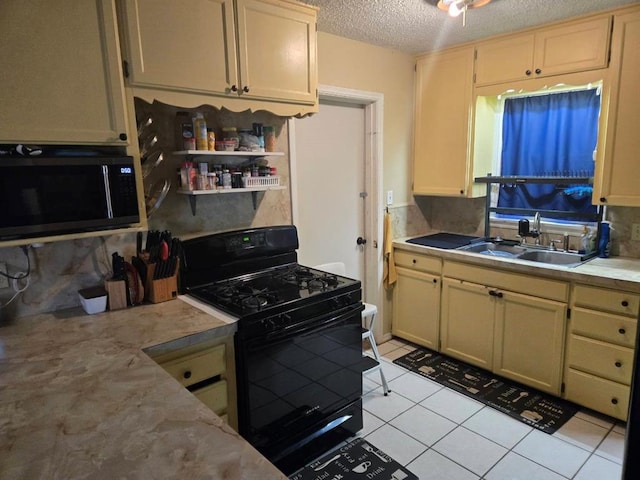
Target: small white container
point(93, 300)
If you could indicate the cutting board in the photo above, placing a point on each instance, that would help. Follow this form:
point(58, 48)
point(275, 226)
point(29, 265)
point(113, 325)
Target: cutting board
point(444, 240)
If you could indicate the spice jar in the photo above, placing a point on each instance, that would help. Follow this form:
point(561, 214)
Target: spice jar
point(211, 139)
point(231, 133)
point(269, 138)
point(226, 179)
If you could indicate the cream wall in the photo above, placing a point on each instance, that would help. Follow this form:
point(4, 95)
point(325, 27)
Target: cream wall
point(351, 64)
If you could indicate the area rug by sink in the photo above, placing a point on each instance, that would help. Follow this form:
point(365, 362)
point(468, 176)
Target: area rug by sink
point(540, 410)
point(356, 460)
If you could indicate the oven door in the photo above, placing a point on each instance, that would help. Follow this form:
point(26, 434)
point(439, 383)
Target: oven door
point(301, 386)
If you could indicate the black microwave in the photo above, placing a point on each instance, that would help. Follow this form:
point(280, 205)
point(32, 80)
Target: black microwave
point(43, 196)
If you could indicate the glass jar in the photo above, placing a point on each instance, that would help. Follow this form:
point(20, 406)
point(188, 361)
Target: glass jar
point(269, 139)
point(231, 133)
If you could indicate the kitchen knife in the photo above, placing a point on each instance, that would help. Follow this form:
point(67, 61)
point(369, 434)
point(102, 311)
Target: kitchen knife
point(138, 243)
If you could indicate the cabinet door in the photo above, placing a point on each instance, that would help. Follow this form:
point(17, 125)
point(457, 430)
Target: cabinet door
point(467, 322)
point(443, 123)
point(186, 45)
point(570, 48)
point(616, 176)
point(277, 50)
point(416, 308)
point(504, 60)
point(61, 74)
point(529, 340)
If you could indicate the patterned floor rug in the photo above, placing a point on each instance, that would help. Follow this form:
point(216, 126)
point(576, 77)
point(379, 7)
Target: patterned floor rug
point(356, 460)
point(540, 410)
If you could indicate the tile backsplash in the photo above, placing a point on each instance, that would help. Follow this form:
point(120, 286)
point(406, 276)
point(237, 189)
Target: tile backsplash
point(60, 269)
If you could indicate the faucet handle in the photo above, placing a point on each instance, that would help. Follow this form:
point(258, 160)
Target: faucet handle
point(552, 244)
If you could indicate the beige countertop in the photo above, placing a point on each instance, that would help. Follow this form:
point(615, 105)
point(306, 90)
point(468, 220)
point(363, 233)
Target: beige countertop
point(80, 399)
point(615, 272)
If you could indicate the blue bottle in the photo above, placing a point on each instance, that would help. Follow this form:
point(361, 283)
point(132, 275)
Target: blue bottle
point(605, 240)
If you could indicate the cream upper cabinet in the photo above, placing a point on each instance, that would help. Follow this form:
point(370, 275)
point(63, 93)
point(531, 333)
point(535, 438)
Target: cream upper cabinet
point(574, 47)
point(249, 49)
point(61, 73)
point(416, 299)
point(616, 175)
point(443, 124)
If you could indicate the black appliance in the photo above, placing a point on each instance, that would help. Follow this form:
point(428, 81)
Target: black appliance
point(298, 343)
point(41, 196)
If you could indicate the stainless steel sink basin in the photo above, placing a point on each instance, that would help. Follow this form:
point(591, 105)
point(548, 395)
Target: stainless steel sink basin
point(531, 254)
point(494, 249)
point(554, 258)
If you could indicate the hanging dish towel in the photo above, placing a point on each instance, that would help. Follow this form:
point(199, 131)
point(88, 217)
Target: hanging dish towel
point(390, 276)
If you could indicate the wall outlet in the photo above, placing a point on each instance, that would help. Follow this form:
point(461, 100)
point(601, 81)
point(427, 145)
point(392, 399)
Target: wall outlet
point(4, 281)
point(389, 197)
point(635, 231)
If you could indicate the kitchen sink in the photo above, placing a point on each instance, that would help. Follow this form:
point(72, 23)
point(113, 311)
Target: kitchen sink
point(531, 254)
point(494, 249)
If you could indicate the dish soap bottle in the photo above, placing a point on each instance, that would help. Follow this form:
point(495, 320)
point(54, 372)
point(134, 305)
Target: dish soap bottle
point(584, 240)
point(604, 245)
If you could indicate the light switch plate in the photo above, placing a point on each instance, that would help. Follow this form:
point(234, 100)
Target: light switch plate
point(635, 231)
point(389, 197)
point(4, 281)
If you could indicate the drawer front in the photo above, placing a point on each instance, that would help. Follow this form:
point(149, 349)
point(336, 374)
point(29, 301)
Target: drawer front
point(198, 366)
point(214, 396)
point(615, 301)
point(602, 395)
point(604, 326)
point(600, 358)
point(416, 261)
point(514, 282)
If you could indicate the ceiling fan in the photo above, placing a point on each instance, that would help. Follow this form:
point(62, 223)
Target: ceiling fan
point(457, 7)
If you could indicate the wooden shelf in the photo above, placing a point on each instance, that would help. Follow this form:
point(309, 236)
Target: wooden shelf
point(194, 194)
point(222, 153)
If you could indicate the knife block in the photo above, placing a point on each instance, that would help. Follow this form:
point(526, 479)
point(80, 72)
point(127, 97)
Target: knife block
point(162, 289)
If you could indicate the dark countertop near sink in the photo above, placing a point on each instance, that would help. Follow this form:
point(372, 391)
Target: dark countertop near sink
point(614, 272)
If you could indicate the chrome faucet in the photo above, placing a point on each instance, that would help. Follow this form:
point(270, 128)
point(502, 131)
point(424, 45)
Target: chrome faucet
point(535, 232)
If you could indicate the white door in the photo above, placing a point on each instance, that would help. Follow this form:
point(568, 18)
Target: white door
point(330, 176)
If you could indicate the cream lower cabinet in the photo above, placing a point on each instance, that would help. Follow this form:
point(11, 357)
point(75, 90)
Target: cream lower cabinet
point(61, 75)
point(600, 349)
point(249, 49)
point(511, 333)
point(207, 370)
point(615, 180)
point(416, 299)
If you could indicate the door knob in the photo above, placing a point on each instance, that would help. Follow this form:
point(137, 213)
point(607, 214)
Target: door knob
point(361, 241)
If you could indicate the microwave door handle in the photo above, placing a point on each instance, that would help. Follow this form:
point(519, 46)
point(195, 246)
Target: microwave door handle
point(107, 190)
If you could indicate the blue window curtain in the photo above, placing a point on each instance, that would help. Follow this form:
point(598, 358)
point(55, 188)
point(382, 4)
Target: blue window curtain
point(549, 135)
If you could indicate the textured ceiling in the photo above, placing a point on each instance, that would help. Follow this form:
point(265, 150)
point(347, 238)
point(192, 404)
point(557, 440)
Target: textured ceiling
point(417, 26)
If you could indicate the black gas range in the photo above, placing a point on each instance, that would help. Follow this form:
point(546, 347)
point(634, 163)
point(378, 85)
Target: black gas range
point(298, 343)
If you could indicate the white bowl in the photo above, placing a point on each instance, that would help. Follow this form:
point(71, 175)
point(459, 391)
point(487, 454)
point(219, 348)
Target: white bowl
point(93, 300)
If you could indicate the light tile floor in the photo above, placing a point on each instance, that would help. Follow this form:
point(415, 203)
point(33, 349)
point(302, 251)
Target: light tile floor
point(439, 434)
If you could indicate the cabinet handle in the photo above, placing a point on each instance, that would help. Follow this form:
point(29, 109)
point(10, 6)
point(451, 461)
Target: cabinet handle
point(603, 200)
point(624, 303)
point(414, 261)
point(187, 374)
point(234, 88)
point(618, 364)
point(435, 280)
point(123, 137)
point(538, 71)
point(495, 293)
point(622, 331)
point(614, 401)
point(245, 89)
point(527, 73)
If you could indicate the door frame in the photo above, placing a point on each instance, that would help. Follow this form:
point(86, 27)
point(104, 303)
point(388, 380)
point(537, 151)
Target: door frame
point(373, 103)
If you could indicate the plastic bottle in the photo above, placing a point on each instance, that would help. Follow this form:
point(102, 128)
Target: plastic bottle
point(584, 240)
point(604, 245)
point(200, 131)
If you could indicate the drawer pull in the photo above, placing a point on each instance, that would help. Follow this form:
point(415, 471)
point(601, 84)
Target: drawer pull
point(435, 280)
point(495, 293)
point(414, 261)
point(622, 331)
point(614, 401)
point(618, 364)
point(624, 303)
point(187, 374)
